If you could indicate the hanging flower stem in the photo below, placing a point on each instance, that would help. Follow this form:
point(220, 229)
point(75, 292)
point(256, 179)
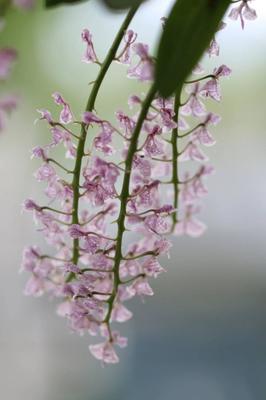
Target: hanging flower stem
point(124, 196)
point(175, 153)
point(81, 144)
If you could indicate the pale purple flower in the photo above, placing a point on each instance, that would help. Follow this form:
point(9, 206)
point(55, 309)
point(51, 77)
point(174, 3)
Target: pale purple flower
point(30, 205)
point(104, 352)
point(103, 140)
point(244, 12)
point(127, 123)
point(194, 106)
point(143, 70)
point(141, 287)
point(66, 115)
point(87, 265)
point(153, 145)
point(90, 118)
point(212, 87)
point(214, 48)
point(125, 56)
point(152, 267)
point(193, 153)
point(121, 313)
point(34, 287)
point(7, 58)
point(45, 173)
point(7, 105)
point(202, 133)
point(133, 101)
point(39, 152)
point(46, 115)
point(89, 56)
point(190, 225)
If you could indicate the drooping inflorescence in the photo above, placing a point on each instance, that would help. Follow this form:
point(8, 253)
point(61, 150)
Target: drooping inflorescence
point(109, 216)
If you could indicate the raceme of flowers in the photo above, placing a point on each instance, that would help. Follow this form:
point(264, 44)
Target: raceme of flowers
point(8, 102)
point(108, 217)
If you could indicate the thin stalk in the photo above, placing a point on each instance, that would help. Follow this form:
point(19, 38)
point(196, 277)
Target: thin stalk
point(81, 143)
point(174, 141)
point(124, 196)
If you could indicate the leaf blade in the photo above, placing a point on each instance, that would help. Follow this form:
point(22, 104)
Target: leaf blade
point(55, 3)
point(122, 4)
point(187, 33)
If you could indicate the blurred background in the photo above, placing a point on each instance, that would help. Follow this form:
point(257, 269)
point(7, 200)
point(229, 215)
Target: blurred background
point(202, 336)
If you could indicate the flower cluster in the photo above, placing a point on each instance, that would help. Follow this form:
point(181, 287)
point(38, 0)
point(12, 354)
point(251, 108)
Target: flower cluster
point(109, 216)
point(8, 56)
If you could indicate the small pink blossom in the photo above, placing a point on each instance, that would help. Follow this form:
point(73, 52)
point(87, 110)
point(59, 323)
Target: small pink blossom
point(243, 12)
point(194, 105)
point(152, 267)
point(212, 87)
point(192, 152)
point(89, 56)
point(7, 58)
point(141, 287)
point(121, 313)
point(45, 114)
point(7, 105)
point(66, 115)
point(125, 56)
point(190, 225)
point(45, 173)
point(144, 68)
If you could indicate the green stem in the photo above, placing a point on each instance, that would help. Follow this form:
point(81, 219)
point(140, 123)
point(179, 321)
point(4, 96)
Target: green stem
point(174, 141)
point(81, 144)
point(124, 196)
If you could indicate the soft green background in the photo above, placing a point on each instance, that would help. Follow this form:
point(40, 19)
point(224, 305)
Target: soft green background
point(202, 336)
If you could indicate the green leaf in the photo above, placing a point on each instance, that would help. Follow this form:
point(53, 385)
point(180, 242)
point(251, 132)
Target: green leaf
point(122, 4)
point(54, 3)
point(188, 32)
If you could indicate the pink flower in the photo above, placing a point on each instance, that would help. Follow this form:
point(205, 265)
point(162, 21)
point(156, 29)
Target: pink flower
point(141, 287)
point(45, 114)
point(192, 152)
point(202, 133)
point(30, 205)
point(66, 115)
point(7, 58)
point(194, 105)
point(152, 267)
point(125, 56)
point(157, 224)
point(127, 123)
point(212, 87)
point(243, 11)
point(214, 48)
point(7, 105)
point(153, 146)
point(104, 352)
point(45, 173)
point(190, 225)
point(144, 69)
point(104, 139)
point(39, 152)
point(34, 287)
point(121, 313)
point(89, 56)
point(90, 118)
